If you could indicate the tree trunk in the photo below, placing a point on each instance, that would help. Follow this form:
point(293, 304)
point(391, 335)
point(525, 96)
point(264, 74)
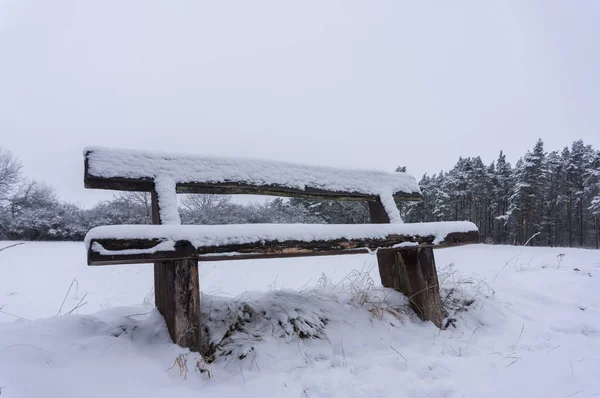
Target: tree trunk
point(499, 235)
point(596, 231)
point(581, 240)
point(527, 225)
point(569, 221)
point(473, 209)
point(554, 223)
point(520, 231)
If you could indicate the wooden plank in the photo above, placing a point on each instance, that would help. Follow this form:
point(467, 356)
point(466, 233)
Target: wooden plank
point(181, 303)
point(177, 292)
point(385, 260)
point(159, 267)
point(377, 212)
point(159, 280)
point(231, 187)
point(416, 277)
point(266, 249)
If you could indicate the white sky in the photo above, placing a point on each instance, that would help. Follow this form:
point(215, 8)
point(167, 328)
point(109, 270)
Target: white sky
point(371, 84)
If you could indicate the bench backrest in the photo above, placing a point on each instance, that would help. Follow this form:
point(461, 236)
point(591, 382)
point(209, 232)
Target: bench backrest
point(128, 170)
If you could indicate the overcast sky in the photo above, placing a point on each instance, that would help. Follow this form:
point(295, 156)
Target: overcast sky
point(371, 84)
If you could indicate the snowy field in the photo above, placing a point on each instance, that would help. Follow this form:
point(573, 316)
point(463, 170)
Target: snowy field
point(526, 324)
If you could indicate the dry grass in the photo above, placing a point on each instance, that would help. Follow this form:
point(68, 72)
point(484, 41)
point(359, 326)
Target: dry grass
point(80, 304)
point(461, 294)
point(358, 288)
point(181, 363)
point(149, 297)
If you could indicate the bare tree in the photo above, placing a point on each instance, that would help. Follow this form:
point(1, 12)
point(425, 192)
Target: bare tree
point(205, 202)
point(10, 172)
point(209, 209)
point(32, 195)
point(138, 199)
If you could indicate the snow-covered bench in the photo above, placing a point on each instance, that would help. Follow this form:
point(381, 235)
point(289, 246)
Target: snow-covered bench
point(404, 251)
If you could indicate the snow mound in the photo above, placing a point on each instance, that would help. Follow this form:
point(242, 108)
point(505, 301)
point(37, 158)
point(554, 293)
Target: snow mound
point(237, 326)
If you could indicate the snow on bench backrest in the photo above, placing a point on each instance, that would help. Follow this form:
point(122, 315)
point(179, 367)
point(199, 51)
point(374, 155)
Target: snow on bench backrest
point(141, 171)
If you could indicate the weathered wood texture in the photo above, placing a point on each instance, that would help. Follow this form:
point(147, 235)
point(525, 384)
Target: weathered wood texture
point(231, 187)
point(266, 249)
point(412, 272)
point(385, 260)
point(159, 280)
point(416, 277)
point(181, 303)
point(177, 294)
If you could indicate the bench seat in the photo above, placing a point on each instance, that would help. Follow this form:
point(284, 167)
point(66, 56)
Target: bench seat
point(119, 244)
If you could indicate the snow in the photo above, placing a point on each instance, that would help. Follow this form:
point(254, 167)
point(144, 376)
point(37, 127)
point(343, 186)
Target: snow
point(181, 168)
point(105, 162)
point(162, 246)
point(167, 200)
point(406, 244)
point(532, 330)
point(387, 200)
point(232, 234)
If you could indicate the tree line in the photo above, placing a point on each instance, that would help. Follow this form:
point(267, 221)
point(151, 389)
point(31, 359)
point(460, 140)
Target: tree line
point(545, 199)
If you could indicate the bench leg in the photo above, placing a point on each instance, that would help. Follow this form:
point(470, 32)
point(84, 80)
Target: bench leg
point(413, 273)
point(177, 297)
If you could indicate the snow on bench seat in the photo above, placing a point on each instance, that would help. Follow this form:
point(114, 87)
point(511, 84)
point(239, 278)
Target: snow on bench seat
point(139, 243)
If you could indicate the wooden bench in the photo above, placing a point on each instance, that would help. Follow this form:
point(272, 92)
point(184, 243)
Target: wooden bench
point(404, 251)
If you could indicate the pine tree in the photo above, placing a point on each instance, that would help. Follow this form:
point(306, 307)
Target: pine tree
point(527, 204)
point(502, 191)
point(592, 192)
point(478, 195)
point(576, 170)
point(424, 210)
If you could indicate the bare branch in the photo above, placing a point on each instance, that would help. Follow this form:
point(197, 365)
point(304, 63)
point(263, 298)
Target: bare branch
point(10, 172)
point(66, 295)
point(519, 339)
point(399, 353)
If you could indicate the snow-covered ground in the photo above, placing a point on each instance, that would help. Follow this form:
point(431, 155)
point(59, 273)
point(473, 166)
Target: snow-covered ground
point(527, 325)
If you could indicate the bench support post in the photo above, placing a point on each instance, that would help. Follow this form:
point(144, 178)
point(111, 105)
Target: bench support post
point(178, 300)
point(416, 277)
point(412, 272)
point(177, 295)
